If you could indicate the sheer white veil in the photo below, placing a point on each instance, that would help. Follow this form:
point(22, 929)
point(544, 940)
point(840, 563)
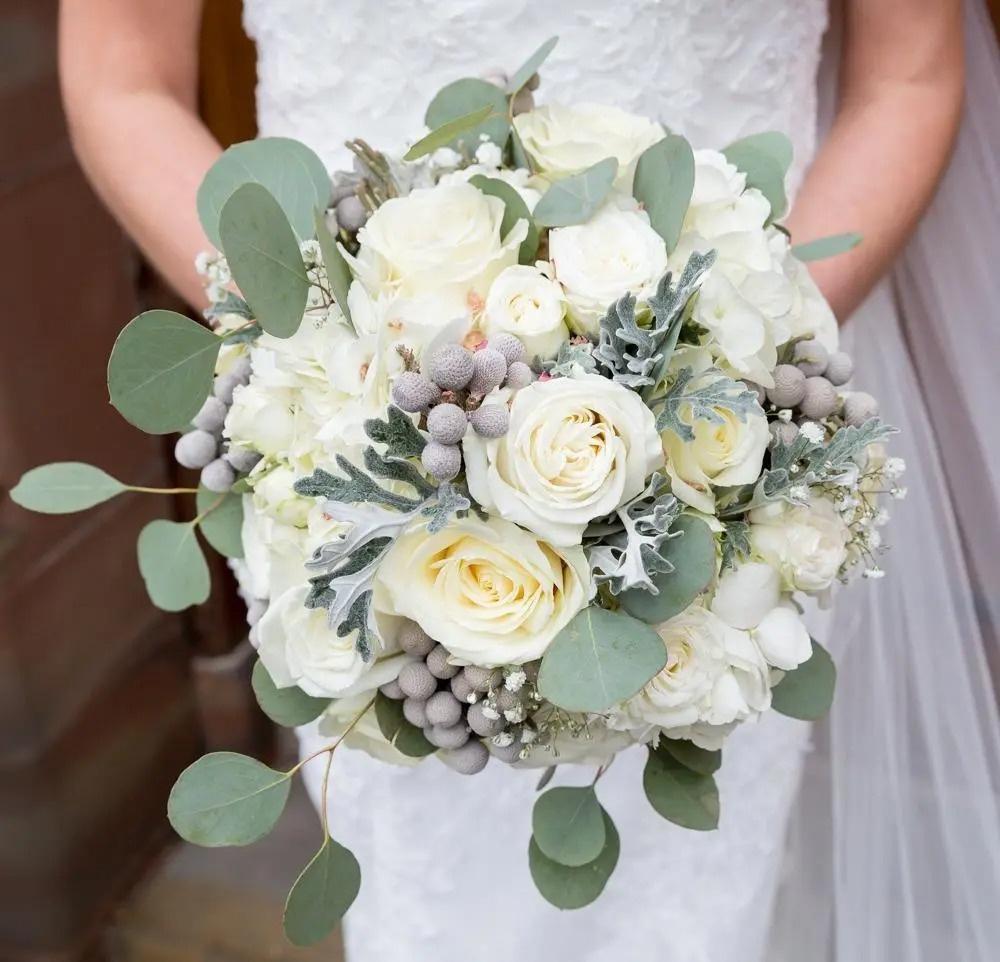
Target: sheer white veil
point(894, 851)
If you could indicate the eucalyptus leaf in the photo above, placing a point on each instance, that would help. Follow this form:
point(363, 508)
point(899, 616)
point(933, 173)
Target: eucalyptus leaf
point(464, 97)
point(664, 182)
point(172, 565)
point(322, 894)
point(227, 799)
point(338, 273)
point(64, 487)
point(680, 795)
point(568, 825)
point(575, 199)
point(264, 258)
point(824, 247)
point(161, 370)
point(406, 738)
point(519, 156)
point(807, 692)
point(692, 556)
point(515, 209)
point(288, 707)
point(765, 159)
point(568, 887)
point(447, 133)
point(292, 173)
point(529, 68)
point(699, 760)
point(599, 659)
point(222, 524)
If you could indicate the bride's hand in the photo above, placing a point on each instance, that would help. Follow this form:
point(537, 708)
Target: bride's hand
point(901, 83)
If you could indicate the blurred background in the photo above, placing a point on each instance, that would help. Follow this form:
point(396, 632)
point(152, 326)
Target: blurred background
point(104, 699)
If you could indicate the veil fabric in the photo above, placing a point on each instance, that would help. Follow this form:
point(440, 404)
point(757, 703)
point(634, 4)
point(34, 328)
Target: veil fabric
point(894, 847)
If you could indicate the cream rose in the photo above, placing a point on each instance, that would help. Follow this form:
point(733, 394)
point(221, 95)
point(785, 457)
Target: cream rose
point(614, 253)
point(524, 302)
point(564, 140)
point(576, 449)
point(806, 544)
point(490, 592)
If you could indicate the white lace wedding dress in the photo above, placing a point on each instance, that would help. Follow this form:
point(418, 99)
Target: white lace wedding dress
point(445, 872)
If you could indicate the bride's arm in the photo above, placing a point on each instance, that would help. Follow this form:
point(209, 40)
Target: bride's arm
point(129, 72)
point(900, 102)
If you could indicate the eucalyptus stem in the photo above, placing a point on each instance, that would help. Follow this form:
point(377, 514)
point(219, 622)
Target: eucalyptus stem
point(204, 514)
point(331, 748)
point(142, 490)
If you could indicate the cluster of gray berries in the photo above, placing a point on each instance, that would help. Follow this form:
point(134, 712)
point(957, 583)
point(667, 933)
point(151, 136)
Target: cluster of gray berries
point(204, 447)
point(451, 392)
point(461, 711)
point(807, 387)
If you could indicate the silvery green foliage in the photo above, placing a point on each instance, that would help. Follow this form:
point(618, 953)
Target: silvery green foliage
point(636, 355)
point(571, 359)
point(449, 500)
point(230, 304)
point(398, 433)
point(703, 400)
point(735, 543)
point(629, 555)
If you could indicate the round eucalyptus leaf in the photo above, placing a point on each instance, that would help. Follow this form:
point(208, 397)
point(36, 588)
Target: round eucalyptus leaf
point(691, 756)
point(664, 182)
point(824, 247)
point(448, 133)
point(464, 97)
point(765, 159)
point(693, 556)
point(680, 795)
point(172, 565)
point(807, 692)
point(575, 199)
point(599, 659)
point(516, 209)
point(222, 525)
point(292, 173)
point(568, 825)
point(161, 370)
point(529, 68)
point(64, 487)
point(288, 707)
point(568, 887)
point(403, 736)
point(227, 799)
point(322, 894)
point(264, 258)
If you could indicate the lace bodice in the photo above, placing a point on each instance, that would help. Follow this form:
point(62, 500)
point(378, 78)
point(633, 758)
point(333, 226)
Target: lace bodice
point(713, 70)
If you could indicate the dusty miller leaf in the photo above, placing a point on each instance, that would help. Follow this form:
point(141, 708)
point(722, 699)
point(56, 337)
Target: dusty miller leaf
point(572, 359)
point(735, 543)
point(702, 402)
point(398, 433)
point(230, 304)
point(393, 469)
point(450, 500)
point(356, 488)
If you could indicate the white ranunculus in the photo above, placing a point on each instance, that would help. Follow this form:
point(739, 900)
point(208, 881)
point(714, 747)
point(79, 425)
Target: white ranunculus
point(806, 544)
point(616, 252)
point(722, 454)
point(490, 592)
point(721, 202)
point(563, 140)
point(526, 303)
point(576, 449)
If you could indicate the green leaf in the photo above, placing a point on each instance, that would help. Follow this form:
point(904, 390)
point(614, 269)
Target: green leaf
point(680, 795)
point(807, 692)
point(516, 209)
point(826, 247)
point(161, 371)
point(599, 659)
point(464, 97)
point(575, 199)
point(290, 172)
point(288, 707)
point(322, 894)
point(530, 66)
point(568, 825)
point(519, 155)
point(699, 760)
point(397, 432)
point(172, 565)
point(406, 738)
point(568, 887)
point(664, 182)
point(222, 526)
point(227, 799)
point(693, 558)
point(765, 159)
point(64, 487)
point(264, 259)
point(445, 134)
point(337, 271)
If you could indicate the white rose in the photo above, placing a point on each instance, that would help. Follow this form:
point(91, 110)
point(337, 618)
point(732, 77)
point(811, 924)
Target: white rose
point(274, 495)
point(810, 314)
point(806, 544)
point(298, 647)
point(614, 253)
point(524, 302)
point(720, 202)
point(262, 419)
point(564, 140)
point(723, 454)
point(576, 449)
point(490, 592)
point(444, 239)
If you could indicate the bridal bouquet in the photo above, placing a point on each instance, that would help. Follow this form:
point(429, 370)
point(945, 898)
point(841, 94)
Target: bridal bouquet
point(522, 446)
